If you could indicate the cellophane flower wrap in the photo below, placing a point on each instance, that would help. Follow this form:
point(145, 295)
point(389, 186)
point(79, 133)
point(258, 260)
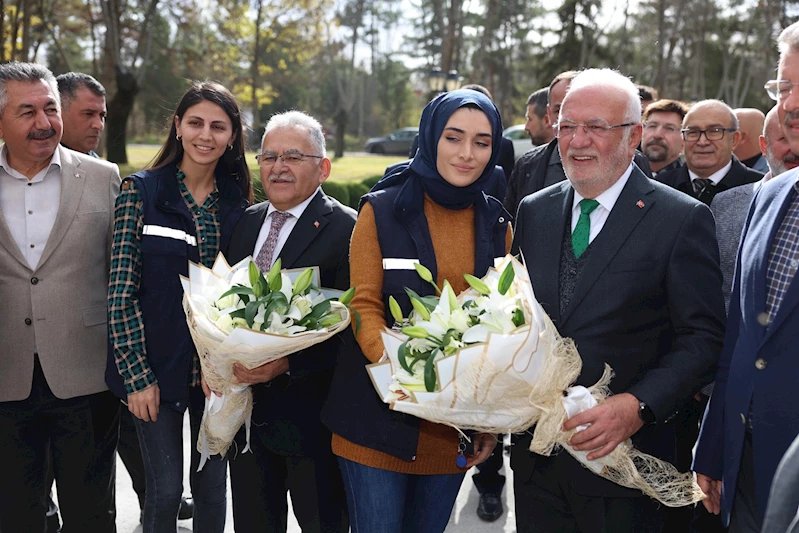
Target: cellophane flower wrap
point(491, 360)
point(241, 315)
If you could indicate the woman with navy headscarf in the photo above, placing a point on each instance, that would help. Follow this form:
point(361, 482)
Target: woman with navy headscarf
point(402, 474)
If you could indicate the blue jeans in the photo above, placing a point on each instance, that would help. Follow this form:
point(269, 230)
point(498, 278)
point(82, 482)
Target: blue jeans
point(162, 451)
point(390, 502)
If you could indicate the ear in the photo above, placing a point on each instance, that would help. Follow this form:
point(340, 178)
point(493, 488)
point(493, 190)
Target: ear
point(324, 167)
point(635, 138)
point(736, 139)
point(177, 124)
point(546, 121)
point(763, 145)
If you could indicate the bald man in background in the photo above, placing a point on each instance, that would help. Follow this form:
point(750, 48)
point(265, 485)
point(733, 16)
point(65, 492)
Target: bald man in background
point(750, 124)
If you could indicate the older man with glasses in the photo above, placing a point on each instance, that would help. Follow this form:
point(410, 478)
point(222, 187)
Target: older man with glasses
point(710, 132)
point(302, 227)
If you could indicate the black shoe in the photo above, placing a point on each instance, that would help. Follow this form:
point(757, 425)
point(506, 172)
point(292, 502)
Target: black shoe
point(490, 507)
point(186, 508)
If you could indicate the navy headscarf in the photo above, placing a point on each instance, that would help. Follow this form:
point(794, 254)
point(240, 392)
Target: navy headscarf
point(422, 168)
point(420, 175)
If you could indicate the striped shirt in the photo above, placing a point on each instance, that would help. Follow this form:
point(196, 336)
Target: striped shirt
point(125, 318)
point(783, 258)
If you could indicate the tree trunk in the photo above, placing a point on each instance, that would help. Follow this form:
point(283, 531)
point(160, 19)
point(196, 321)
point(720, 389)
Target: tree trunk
point(256, 61)
point(119, 109)
point(341, 119)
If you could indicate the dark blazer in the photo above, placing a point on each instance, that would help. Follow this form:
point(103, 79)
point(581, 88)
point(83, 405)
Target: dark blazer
point(759, 364)
point(289, 405)
point(648, 303)
point(738, 175)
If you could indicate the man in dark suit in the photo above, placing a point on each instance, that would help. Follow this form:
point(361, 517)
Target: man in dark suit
point(628, 269)
point(290, 446)
point(710, 132)
point(753, 416)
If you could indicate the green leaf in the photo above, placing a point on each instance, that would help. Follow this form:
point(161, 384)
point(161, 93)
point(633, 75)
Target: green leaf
point(263, 282)
point(330, 320)
point(421, 356)
point(506, 279)
point(402, 352)
point(238, 289)
point(429, 301)
point(302, 282)
point(238, 313)
point(250, 310)
point(357, 317)
point(396, 310)
point(253, 271)
point(319, 309)
point(430, 373)
point(346, 298)
point(518, 317)
point(477, 284)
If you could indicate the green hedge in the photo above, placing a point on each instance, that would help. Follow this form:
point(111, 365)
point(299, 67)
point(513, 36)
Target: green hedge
point(347, 192)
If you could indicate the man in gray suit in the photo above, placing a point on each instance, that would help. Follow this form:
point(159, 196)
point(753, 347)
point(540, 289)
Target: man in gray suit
point(56, 216)
point(731, 207)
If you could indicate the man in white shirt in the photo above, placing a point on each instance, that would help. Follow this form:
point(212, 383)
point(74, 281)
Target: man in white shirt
point(303, 227)
point(629, 270)
point(56, 218)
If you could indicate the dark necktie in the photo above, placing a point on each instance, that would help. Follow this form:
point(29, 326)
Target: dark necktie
point(702, 186)
point(264, 259)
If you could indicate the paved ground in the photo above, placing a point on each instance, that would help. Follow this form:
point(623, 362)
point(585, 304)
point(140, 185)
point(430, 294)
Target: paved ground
point(463, 520)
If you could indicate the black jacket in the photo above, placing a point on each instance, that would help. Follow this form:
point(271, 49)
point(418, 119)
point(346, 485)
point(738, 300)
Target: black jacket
point(738, 175)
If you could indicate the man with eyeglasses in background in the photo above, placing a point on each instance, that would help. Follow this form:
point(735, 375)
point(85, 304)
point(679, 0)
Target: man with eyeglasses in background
point(662, 141)
point(303, 227)
point(710, 132)
point(627, 268)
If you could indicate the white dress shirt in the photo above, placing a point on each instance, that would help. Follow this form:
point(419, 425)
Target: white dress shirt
point(716, 177)
point(606, 202)
point(295, 212)
point(29, 206)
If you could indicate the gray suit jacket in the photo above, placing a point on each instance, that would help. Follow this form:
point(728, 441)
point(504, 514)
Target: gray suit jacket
point(62, 303)
point(730, 209)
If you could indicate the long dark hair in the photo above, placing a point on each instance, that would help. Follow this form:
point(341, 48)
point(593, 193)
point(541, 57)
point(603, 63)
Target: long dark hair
point(232, 164)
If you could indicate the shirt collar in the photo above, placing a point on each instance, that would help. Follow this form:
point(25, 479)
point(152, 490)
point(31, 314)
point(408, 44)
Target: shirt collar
point(716, 177)
point(609, 197)
point(298, 209)
point(55, 160)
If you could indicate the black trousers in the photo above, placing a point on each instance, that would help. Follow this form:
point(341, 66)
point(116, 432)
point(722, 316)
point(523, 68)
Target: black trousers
point(260, 481)
point(487, 479)
point(79, 436)
point(546, 503)
point(130, 452)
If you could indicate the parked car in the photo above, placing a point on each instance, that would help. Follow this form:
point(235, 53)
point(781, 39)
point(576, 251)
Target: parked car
point(521, 139)
point(396, 142)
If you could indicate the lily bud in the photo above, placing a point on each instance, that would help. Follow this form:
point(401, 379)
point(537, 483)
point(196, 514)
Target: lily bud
point(346, 298)
point(302, 282)
point(395, 309)
point(420, 309)
point(423, 272)
point(253, 272)
point(416, 332)
point(477, 284)
point(273, 279)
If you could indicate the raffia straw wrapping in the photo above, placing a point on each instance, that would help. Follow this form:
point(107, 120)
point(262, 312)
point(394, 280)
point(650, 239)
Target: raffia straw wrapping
point(217, 360)
point(625, 465)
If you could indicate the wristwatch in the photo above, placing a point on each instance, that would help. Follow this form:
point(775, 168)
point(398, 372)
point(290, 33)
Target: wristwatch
point(645, 413)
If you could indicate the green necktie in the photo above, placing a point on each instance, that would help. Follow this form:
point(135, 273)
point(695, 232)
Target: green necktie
point(583, 228)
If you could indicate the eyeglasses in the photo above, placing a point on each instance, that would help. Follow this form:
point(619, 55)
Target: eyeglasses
point(668, 128)
point(711, 134)
point(779, 89)
point(267, 159)
point(596, 128)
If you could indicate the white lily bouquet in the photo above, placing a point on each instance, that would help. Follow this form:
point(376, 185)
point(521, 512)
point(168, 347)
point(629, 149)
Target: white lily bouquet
point(490, 360)
point(239, 314)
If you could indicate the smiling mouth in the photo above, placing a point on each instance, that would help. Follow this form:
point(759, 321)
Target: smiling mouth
point(205, 149)
point(463, 169)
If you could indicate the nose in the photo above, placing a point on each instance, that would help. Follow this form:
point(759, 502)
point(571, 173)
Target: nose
point(465, 151)
point(98, 123)
point(279, 164)
point(580, 137)
point(42, 120)
point(791, 102)
point(703, 140)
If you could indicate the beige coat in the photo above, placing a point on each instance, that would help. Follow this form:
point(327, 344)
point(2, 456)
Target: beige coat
point(64, 300)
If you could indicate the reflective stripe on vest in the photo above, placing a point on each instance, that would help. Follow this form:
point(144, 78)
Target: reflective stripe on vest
point(169, 233)
point(394, 263)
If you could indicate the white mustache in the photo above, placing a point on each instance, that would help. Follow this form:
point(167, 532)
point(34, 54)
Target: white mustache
point(284, 177)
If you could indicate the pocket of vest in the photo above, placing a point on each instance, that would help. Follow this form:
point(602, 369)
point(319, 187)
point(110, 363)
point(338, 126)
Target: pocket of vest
point(155, 244)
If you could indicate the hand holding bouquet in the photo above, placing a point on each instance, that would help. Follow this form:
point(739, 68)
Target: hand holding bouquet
point(241, 315)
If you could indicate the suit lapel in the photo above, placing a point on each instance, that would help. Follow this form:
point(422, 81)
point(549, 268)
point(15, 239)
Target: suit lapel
point(628, 211)
point(311, 223)
point(545, 251)
point(250, 231)
point(73, 179)
point(7, 241)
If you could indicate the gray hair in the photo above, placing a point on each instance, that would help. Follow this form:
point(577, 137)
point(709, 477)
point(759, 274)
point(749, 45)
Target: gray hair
point(25, 72)
point(611, 78)
point(298, 119)
point(789, 39)
point(713, 102)
point(70, 82)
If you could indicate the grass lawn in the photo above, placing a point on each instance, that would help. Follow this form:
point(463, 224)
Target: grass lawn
point(346, 168)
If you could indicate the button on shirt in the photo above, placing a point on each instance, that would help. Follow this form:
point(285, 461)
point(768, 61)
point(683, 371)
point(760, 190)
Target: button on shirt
point(295, 212)
point(29, 206)
point(606, 202)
